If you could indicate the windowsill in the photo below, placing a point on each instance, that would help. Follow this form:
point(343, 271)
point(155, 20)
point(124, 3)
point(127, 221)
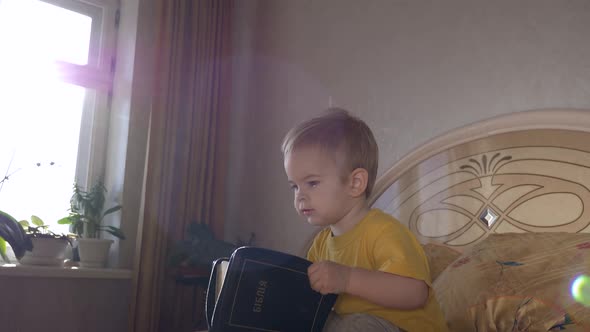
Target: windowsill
point(17, 270)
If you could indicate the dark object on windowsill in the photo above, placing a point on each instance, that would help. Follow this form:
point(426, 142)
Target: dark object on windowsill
point(12, 232)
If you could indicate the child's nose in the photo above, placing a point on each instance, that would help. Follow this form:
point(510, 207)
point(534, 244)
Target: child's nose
point(300, 196)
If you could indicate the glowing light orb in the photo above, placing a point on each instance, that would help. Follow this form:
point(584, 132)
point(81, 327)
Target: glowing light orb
point(581, 290)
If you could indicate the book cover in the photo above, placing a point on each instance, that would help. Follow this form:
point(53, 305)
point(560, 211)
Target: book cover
point(264, 290)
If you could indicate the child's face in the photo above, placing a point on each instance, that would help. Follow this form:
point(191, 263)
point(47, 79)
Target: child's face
point(319, 187)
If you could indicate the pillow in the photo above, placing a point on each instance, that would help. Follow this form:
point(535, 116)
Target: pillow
point(515, 278)
point(439, 257)
point(512, 313)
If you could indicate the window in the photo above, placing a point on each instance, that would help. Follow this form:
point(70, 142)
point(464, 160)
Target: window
point(55, 78)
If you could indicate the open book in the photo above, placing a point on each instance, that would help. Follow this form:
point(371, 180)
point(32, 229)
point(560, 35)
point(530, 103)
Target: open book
point(264, 290)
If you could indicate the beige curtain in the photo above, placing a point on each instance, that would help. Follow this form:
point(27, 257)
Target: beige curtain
point(187, 154)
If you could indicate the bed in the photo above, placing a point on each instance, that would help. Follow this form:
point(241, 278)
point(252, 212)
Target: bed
point(500, 208)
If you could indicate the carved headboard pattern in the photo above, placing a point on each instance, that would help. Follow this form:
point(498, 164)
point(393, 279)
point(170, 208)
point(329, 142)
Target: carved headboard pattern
point(531, 176)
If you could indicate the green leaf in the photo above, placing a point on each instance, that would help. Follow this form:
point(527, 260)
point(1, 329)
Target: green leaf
point(115, 232)
point(65, 221)
point(78, 228)
point(37, 221)
point(86, 211)
point(3, 250)
point(24, 223)
point(111, 210)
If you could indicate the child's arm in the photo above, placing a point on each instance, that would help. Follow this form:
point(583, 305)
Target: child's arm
point(385, 289)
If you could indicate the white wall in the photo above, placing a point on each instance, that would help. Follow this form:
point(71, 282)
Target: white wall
point(411, 69)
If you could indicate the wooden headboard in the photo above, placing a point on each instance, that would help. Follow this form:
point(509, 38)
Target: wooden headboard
point(521, 172)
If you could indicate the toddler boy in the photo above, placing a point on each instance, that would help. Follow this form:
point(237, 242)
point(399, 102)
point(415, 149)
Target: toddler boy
point(368, 257)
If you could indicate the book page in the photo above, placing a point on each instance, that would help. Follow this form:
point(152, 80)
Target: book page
point(221, 272)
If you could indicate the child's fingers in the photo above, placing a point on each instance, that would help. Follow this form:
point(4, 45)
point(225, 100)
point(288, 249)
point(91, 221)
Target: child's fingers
point(316, 284)
point(320, 286)
point(317, 270)
point(321, 278)
point(312, 269)
point(316, 279)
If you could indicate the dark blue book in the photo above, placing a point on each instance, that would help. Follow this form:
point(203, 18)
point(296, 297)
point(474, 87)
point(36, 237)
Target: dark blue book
point(264, 290)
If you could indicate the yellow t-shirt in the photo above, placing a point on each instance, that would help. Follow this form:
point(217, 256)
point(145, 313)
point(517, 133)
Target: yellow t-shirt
point(381, 243)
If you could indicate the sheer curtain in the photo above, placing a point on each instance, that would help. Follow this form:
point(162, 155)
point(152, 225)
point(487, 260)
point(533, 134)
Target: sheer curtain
point(188, 146)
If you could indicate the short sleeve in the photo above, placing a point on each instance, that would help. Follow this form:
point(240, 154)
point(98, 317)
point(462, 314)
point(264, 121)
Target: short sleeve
point(397, 251)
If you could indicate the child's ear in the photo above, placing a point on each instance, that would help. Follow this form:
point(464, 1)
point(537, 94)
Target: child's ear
point(358, 182)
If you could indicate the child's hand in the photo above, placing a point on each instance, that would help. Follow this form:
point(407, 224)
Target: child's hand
point(328, 277)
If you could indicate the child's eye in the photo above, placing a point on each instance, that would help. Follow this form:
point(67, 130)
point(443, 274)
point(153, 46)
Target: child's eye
point(313, 184)
point(293, 187)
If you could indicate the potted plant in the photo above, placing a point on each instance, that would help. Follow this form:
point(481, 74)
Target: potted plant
point(49, 248)
point(86, 219)
point(32, 245)
point(199, 248)
point(11, 231)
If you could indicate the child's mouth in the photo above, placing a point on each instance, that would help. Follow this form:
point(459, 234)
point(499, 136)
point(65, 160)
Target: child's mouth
point(306, 212)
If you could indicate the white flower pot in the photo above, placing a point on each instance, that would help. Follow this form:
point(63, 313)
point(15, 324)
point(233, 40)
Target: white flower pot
point(46, 251)
point(94, 252)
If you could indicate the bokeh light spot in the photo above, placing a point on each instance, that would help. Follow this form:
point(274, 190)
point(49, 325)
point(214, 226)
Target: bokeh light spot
point(581, 290)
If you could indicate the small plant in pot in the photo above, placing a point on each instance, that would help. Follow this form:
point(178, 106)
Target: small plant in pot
point(32, 245)
point(49, 248)
point(86, 217)
point(199, 248)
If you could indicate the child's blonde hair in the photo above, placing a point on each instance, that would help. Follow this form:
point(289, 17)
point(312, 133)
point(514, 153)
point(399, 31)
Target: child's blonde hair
point(338, 131)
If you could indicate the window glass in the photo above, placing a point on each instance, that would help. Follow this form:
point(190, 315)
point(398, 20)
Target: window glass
point(40, 116)
point(33, 30)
